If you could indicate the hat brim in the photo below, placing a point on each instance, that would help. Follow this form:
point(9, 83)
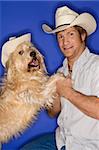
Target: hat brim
point(84, 20)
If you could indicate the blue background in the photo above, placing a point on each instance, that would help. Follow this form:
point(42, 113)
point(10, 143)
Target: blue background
point(20, 17)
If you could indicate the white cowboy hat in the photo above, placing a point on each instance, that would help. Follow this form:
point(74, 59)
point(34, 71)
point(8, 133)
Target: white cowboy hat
point(65, 18)
point(11, 45)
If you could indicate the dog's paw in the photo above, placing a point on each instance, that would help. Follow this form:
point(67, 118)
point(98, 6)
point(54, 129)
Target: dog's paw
point(50, 101)
point(48, 105)
point(56, 77)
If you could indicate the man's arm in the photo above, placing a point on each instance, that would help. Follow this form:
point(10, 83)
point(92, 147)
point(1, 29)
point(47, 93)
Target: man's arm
point(87, 104)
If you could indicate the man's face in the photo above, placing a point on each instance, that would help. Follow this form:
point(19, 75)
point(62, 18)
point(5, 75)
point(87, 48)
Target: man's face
point(71, 42)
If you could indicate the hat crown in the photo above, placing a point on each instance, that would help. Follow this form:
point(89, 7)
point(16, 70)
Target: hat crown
point(12, 38)
point(65, 11)
point(65, 15)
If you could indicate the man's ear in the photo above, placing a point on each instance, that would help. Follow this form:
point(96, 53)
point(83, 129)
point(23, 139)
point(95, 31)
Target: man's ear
point(83, 36)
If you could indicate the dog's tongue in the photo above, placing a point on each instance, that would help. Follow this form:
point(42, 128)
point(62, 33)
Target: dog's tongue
point(33, 63)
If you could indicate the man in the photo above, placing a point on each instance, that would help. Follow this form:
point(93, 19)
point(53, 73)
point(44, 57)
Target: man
point(78, 94)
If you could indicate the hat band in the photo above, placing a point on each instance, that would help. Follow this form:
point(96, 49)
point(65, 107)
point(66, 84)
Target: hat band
point(63, 25)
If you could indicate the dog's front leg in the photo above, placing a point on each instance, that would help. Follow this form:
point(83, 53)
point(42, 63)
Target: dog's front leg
point(31, 97)
point(50, 89)
point(26, 96)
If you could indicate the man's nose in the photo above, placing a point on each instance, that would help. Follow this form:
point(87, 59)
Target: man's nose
point(66, 40)
point(33, 54)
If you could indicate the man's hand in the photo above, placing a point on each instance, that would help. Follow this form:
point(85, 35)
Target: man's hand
point(87, 104)
point(64, 87)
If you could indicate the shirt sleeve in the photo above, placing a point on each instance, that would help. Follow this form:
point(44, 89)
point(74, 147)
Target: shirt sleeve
point(95, 82)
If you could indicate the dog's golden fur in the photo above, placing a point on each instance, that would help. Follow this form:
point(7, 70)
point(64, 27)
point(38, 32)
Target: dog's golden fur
point(27, 88)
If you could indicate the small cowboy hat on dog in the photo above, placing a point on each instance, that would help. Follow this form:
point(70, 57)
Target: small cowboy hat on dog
point(65, 18)
point(11, 45)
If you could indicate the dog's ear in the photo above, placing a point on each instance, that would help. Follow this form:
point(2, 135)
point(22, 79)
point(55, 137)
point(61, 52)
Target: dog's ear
point(10, 74)
point(11, 71)
point(44, 67)
point(43, 63)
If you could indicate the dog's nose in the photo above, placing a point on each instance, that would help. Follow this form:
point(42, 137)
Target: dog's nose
point(33, 54)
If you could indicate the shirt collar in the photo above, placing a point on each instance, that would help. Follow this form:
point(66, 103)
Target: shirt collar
point(83, 58)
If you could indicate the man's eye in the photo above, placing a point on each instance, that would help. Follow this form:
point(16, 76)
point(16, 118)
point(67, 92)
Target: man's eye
point(72, 33)
point(21, 52)
point(60, 37)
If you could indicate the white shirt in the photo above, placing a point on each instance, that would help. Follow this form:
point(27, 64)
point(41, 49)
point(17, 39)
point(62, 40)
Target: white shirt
point(76, 130)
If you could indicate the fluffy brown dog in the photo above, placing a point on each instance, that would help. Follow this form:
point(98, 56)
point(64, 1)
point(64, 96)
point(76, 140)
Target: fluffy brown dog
point(27, 88)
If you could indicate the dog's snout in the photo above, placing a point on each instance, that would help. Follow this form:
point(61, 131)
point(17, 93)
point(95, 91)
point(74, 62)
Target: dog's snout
point(33, 54)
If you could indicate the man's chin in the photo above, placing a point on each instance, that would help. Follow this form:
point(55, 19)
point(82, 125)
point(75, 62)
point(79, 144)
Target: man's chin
point(68, 53)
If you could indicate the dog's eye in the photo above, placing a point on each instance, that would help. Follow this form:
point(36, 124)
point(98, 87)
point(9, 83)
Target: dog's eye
point(21, 52)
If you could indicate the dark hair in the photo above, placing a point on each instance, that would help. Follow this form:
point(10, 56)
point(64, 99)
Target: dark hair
point(81, 31)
